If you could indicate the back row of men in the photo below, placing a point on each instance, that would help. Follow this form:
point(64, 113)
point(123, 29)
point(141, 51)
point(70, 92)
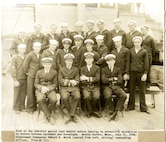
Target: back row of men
point(133, 64)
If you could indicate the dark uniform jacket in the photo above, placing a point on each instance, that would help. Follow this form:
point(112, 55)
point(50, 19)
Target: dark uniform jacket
point(46, 40)
point(60, 58)
point(91, 36)
point(78, 54)
point(149, 44)
point(47, 53)
point(107, 76)
point(34, 38)
point(93, 74)
point(31, 64)
point(105, 34)
point(129, 38)
point(103, 51)
point(139, 62)
point(66, 74)
point(113, 34)
point(16, 42)
point(46, 79)
point(122, 59)
point(17, 71)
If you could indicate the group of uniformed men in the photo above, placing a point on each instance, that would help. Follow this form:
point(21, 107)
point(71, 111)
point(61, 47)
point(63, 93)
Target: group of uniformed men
point(87, 66)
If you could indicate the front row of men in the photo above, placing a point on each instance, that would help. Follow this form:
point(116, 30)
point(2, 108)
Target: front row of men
point(89, 83)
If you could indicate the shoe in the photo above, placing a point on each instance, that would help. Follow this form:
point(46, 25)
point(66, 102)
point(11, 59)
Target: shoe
point(128, 109)
point(146, 111)
point(23, 110)
point(17, 112)
point(46, 120)
point(88, 115)
point(30, 112)
point(52, 121)
point(113, 116)
point(96, 114)
point(68, 119)
point(74, 119)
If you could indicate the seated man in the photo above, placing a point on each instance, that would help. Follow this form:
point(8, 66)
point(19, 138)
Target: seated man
point(90, 84)
point(112, 80)
point(69, 85)
point(46, 86)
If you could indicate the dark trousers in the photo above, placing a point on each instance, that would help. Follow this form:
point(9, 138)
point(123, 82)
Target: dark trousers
point(121, 97)
point(31, 98)
point(135, 78)
point(148, 81)
point(19, 95)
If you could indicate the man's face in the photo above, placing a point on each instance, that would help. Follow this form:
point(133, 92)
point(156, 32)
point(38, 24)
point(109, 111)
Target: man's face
point(100, 41)
point(36, 49)
point(117, 24)
point(100, 26)
point(132, 26)
point(64, 29)
point(78, 42)
point(144, 30)
point(90, 26)
point(66, 45)
point(38, 29)
point(118, 43)
point(89, 61)
point(21, 34)
point(79, 28)
point(46, 65)
point(69, 62)
point(52, 47)
point(89, 46)
point(137, 42)
point(53, 29)
point(21, 50)
point(110, 62)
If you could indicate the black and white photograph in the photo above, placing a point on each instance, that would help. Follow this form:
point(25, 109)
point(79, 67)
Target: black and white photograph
point(82, 71)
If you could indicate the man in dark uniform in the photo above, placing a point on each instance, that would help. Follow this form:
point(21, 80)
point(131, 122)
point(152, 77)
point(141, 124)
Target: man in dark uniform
point(149, 44)
point(46, 86)
point(31, 65)
point(20, 39)
point(122, 59)
point(52, 52)
point(90, 84)
point(132, 33)
point(50, 36)
point(78, 50)
point(60, 53)
point(65, 33)
point(102, 49)
point(37, 36)
point(138, 74)
point(112, 80)
point(89, 43)
point(68, 78)
point(78, 30)
point(91, 34)
point(117, 31)
point(19, 77)
point(102, 31)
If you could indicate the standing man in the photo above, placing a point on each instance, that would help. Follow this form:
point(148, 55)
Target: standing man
point(31, 65)
point(20, 39)
point(52, 52)
point(102, 30)
point(112, 80)
point(78, 29)
point(117, 31)
point(19, 77)
point(139, 65)
point(90, 34)
point(69, 86)
point(78, 50)
point(52, 35)
point(37, 36)
point(149, 44)
point(90, 84)
point(61, 53)
point(46, 87)
point(122, 59)
point(131, 34)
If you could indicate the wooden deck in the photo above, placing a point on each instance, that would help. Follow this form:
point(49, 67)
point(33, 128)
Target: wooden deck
point(134, 120)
